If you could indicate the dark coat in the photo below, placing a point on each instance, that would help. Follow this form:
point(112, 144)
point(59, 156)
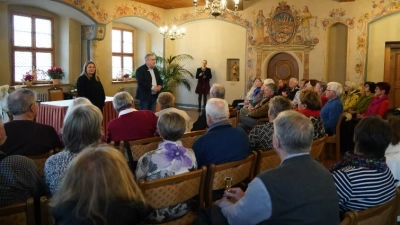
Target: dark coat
point(203, 84)
point(92, 89)
point(143, 78)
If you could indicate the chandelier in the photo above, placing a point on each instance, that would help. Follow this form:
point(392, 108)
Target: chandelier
point(216, 7)
point(173, 33)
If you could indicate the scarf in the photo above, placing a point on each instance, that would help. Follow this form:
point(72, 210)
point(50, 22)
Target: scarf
point(374, 105)
point(351, 159)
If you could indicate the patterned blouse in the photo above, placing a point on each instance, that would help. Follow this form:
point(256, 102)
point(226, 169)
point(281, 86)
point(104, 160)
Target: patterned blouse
point(55, 168)
point(171, 158)
point(19, 180)
point(261, 135)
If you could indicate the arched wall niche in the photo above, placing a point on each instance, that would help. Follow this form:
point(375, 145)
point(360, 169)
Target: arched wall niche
point(336, 53)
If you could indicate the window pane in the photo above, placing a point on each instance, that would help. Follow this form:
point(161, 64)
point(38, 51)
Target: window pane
point(43, 63)
point(127, 48)
point(116, 41)
point(43, 33)
point(116, 67)
point(22, 31)
point(23, 64)
point(128, 63)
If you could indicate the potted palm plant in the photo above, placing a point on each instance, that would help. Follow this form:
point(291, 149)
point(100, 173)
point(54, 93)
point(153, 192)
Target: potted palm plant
point(172, 72)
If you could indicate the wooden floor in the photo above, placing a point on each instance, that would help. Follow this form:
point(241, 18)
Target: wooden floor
point(192, 112)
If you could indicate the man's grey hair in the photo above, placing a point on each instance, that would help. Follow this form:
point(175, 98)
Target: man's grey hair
point(217, 91)
point(82, 127)
point(148, 55)
point(293, 79)
point(217, 109)
point(272, 87)
point(20, 101)
point(76, 102)
point(294, 131)
point(278, 104)
point(336, 87)
point(123, 100)
point(166, 100)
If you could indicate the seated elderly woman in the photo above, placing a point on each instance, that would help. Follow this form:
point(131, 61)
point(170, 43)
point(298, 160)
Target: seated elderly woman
point(380, 104)
point(261, 135)
point(166, 102)
point(332, 110)
point(82, 127)
point(171, 158)
point(310, 106)
point(392, 153)
point(363, 180)
point(366, 97)
point(251, 94)
point(350, 96)
point(98, 188)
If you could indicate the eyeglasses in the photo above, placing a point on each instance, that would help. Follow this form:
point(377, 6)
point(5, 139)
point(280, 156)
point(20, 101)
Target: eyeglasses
point(329, 90)
point(38, 102)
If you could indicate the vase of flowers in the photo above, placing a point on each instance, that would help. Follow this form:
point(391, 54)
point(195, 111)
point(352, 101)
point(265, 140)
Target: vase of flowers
point(28, 78)
point(126, 77)
point(56, 74)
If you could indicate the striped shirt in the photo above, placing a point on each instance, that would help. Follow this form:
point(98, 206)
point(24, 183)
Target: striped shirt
point(361, 188)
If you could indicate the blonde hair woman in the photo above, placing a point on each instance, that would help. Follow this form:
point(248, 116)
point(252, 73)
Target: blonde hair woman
point(89, 85)
point(99, 188)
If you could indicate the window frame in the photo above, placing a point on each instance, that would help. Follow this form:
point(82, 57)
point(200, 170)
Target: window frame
point(33, 49)
point(122, 54)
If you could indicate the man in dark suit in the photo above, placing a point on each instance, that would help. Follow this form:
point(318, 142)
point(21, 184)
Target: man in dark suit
point(298, 191)
point(149, 83)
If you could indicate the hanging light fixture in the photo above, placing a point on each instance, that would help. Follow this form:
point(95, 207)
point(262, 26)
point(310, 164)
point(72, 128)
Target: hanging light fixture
point(216, 7)
point(173, 33)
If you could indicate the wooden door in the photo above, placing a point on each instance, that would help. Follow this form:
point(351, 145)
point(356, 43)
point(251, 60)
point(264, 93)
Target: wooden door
point(392, 73)
point(282, 66)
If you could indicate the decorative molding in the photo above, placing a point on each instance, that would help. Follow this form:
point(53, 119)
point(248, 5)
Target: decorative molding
point(93, 32)
point(337, 16)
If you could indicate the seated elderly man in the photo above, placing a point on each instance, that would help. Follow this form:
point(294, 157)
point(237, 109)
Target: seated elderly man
point(221, 143)
point(166, 102)
point(249, 116)
point(292, 90)
point(19, 178)
point(332, 110)
point(216, 91)
point(131, 124)
point(299, 191)
point(25, 136)
point(261, 135)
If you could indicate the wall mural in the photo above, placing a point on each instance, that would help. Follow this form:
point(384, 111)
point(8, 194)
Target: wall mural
point(379, 10)
point(284, 25)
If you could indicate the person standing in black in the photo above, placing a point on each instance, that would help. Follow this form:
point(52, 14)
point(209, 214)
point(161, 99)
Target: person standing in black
point(203, 75)
point(149, 83)
point(89, 85)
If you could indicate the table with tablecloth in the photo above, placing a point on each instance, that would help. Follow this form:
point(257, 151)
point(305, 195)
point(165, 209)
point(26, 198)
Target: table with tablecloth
point(53, 113)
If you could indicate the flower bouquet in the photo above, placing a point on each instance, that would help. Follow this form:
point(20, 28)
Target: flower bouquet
point(55, 73)
point(126, 76)
point(28, 78)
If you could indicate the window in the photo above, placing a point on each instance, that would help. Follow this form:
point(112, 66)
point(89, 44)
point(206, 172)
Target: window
point(122, 52)
point(32, 46)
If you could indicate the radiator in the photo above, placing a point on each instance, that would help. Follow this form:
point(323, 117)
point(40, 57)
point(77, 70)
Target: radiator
point(42, 96)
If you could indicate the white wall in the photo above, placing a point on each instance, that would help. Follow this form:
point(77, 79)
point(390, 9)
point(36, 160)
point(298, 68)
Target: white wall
point(380, 32)
point(215, 41)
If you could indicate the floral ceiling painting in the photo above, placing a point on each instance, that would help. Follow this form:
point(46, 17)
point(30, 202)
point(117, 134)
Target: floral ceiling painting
point(283, 25)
